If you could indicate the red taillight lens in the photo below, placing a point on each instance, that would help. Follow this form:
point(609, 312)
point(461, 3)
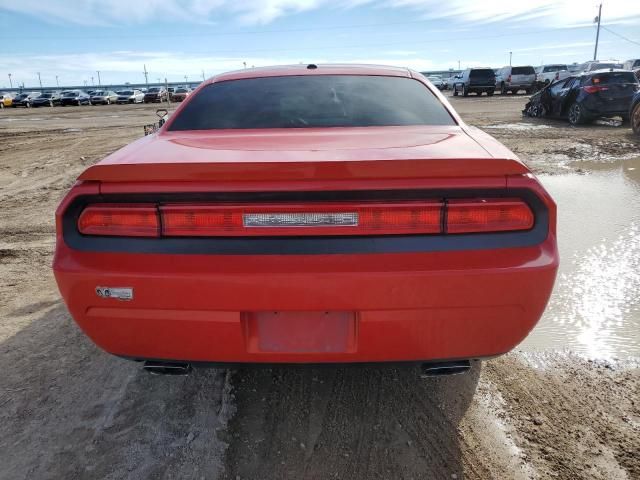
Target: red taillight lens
point(296, 220)
point(125, 220)
point(594, 89)
point(488, 215)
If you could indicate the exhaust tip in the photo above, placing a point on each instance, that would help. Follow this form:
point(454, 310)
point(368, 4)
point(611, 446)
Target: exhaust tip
point(439, 369)
point(167, 368)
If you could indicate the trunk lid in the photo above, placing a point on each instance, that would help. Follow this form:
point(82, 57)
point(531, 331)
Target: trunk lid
point(307, 154)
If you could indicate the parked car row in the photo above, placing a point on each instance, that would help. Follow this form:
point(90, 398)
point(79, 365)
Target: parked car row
point(92, 97)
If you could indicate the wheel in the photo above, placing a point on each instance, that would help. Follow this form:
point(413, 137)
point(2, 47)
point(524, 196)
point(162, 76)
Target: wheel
point(576, 114)
point(490, 93)
point(465, 92)
point(503, 89)
point(528, 91)
point(455, 91)
point(635, 119)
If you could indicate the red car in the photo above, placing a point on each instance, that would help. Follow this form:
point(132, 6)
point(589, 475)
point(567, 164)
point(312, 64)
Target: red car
point(308, 214)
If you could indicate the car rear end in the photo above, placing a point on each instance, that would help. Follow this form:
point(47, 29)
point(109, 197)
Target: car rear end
point(307, 245)
point(482, 80)
point(608, 93)
point(521, 78)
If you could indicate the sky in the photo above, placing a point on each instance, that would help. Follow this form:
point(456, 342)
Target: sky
point(174, 39)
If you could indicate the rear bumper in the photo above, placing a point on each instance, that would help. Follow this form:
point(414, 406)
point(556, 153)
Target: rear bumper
point(406, 307)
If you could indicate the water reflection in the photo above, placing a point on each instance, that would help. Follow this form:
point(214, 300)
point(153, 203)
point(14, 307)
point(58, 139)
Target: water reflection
point(595, 307)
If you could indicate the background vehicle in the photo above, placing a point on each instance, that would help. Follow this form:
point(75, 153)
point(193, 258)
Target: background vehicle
point(156, 94)
point(634, 114)
point(6, 99)
point(130, 96)
point(593, 65)
point(513, 79)
point(47, 99)
point(104, 97)
point(25, 99)
point(75, 97)
point(179, 94)
point(584, 97)
point(631, 64)
point(475, 80)
point(261, 266)
point(547, 74)
point(437, 81)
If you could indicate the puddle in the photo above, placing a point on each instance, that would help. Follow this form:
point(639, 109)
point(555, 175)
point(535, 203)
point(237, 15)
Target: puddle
point(518, 126)
point(595, 307)
point(72, 130)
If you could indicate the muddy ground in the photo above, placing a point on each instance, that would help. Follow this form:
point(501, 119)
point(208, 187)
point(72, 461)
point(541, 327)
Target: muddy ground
point(68, 410)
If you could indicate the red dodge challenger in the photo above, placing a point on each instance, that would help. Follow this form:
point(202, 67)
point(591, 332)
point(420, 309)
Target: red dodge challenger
point(308, 214)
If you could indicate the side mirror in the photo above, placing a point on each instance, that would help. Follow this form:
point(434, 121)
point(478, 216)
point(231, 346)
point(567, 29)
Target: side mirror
point(161, 113)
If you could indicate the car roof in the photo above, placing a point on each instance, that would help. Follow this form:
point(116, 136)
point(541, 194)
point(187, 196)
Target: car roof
point(320, 69)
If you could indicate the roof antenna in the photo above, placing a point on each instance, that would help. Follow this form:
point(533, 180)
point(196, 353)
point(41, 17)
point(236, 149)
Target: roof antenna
point(312, 66)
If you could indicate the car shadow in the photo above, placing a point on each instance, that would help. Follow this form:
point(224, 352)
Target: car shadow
point(347, 422)
point(69, 410)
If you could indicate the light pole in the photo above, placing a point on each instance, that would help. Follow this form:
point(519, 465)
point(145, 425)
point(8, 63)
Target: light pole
point(57, 82)
point(510, 55)
point(98, 72)
point(458, 64)
point(186, 79)
point(203, 76)
point(39, 80)
point(92, 82)
point(10, 82)
point(597, 19)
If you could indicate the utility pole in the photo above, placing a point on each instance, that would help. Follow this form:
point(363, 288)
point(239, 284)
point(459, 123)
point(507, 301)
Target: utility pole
point(510, 55)
point(203, 76)
point(597, 19)
point(92, 82)
point(146, 76)
point(186, 80)
point(166, 87)
point(39, 80)
point(57, 83)
point(458, 64)
point(98, 72)
point(10, 82)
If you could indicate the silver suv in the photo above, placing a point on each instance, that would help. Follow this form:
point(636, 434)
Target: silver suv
point(514, 79)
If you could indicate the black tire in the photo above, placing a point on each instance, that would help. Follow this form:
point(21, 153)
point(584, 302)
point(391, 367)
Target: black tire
point(503, 89)
point(635, 119)
point(491, 92)
point(465, 92)
point(455, 91)
point(576, 114)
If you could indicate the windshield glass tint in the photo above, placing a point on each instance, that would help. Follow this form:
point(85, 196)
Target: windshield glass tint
point(613, 78)
point(555, 68)
point(522, 71)
point(312, 101)
point(125, 92)
point(154, 90)
point(71, 94)
point(482, 73)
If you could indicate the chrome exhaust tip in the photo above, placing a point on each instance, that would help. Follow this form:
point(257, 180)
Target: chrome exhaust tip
point(438, 369)
point(167, 368)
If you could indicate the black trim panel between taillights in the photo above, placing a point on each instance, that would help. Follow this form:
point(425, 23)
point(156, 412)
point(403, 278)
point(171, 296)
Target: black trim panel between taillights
point(306, 245)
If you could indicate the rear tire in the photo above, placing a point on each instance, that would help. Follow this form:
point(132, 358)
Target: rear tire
point(503, 89)
point(635, 119)
point(465, 92)
point(455, 91)
point(576, 114)
point(491, 92)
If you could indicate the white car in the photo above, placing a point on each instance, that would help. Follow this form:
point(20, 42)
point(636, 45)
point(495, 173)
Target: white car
point(130, 96)
point(550, 73)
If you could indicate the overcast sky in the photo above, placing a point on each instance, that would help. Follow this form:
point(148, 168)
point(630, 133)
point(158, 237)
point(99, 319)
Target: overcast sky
point(174, 38)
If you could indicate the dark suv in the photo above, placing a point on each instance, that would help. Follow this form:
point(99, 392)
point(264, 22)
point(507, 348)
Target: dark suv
point(156, 94)
point(475, 80)
point(587, 96)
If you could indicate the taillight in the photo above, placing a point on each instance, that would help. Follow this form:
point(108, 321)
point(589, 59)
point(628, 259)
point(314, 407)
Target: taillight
point(123, 220)
point(388, 218)
point(594, 88)
point(488, 215)
point(317, 219)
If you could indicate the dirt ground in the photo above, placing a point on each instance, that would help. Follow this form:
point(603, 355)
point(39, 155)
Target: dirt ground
point(68, 410)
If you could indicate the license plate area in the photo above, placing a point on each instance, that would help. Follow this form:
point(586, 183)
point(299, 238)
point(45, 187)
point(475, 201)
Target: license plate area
point(301, 332)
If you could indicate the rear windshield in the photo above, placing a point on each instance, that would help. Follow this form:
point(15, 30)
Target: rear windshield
point(154, 90)
point(612, 78)
point(554, 68)
point(482, 73)
point(70, 94)
point(312, 101)
point(522, 71)
point(125, 92)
